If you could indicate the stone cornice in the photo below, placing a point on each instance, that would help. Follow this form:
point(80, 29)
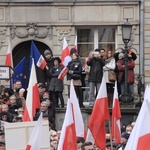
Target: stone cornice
point(66, 1)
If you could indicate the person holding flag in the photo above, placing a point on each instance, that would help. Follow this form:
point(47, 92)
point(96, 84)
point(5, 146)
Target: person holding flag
point(74, 72)
point(50, 63)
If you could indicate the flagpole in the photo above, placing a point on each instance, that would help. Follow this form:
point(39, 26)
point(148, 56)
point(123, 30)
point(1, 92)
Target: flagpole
point(110, 135)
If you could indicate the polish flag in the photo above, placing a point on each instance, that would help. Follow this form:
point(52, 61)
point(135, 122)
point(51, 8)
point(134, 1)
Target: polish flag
point(65, 58)
point(68, 134)
point(140, 135)
point(116, 115)
point(9, 61)
point(38, 58)
point(75, 43)
point(63, 73)
point(98, 117)
point(32, 100)
point(79, 125)
point(35, 137)
point(85, 63)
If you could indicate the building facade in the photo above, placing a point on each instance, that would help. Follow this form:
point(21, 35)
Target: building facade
point(95, 23)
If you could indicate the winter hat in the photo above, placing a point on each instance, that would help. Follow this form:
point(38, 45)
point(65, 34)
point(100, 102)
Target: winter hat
point(47, 52)
point(73, 50)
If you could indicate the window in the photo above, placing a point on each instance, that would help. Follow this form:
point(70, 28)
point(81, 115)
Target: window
point(106, 38)
point(91, 38)
point(85, 41)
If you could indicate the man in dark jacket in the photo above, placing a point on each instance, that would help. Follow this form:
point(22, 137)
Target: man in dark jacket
point(50, 63)
point(96, 63)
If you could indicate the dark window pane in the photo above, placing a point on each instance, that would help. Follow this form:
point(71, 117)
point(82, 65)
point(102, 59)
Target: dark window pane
point(84, 49)
point(106, 34)
point(85, 35)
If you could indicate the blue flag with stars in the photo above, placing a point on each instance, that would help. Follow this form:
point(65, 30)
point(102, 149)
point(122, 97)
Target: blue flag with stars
point(20, 73)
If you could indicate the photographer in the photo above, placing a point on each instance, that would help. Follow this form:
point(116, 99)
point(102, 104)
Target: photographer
point(130, 52)
point(130, 73)
point(96, 63)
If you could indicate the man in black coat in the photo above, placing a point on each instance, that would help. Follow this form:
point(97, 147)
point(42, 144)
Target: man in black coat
point(96, 63)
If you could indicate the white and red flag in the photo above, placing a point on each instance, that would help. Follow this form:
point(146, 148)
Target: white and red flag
point(116, 115)
point(65, 58)
point(75, 43)
point(33, 99)
point(85, 63)
point(79, 125)
point(73, 125)
point(140, 135)
point(68, 134)
point(8, 60)
point(63, 73)
point(99, 115)
point(35, 137)
point(38, 58)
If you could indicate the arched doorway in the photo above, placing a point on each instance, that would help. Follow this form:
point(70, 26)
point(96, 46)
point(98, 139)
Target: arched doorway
point(23, 50)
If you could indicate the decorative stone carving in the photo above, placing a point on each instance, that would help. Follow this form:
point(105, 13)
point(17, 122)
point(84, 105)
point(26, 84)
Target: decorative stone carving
point(61, 33)
point(32, 30)
point(2, 37)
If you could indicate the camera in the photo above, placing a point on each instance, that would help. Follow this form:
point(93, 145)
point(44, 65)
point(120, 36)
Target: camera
point(95, 54)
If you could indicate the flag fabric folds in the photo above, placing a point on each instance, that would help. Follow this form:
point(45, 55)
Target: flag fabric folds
point(116, 115)
point(68, 134)
point(85, 63)
point(75, 43)
point(73, 125)
point(63, 73)
point(38, 58)
point(8, 60)
point(32, 100)
point(20, 73)
point(98, 117)
point(65, 58)
point(140, 135)
point(79, 125)
point(35, 137)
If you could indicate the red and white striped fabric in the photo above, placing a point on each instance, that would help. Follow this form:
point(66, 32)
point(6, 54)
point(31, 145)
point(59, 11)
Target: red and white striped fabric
point(35, 137)
point(79, 125)
point(38, 58)
point(65, 58)
point(99, 115)
point(68, 134)
point(75, 43)
point(140, 135)
point(9, 61)
point(116, 115)
point(63, 73)
point(85, 63)
point(32, 100)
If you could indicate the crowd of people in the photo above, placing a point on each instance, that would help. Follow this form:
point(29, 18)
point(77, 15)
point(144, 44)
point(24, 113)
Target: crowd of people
point(98, 64)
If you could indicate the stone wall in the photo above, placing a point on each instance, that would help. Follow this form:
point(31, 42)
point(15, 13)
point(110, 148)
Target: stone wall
point(49, 22)
point(53, 21)
point(147, 40)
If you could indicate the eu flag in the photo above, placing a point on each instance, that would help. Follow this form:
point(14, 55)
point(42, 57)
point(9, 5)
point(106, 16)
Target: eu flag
point(20, 73)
